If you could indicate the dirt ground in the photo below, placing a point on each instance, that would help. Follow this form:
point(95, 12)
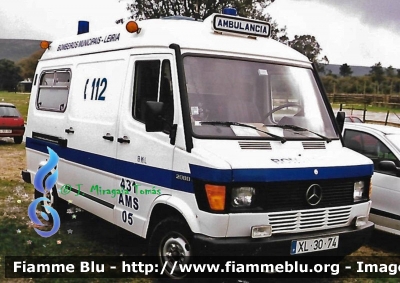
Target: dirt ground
point(12, 159)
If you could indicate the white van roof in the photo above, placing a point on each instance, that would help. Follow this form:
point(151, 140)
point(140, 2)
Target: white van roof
point(386, 130)
point(191, 36)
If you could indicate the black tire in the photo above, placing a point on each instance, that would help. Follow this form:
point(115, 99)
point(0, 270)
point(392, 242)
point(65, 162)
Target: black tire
point(18, 140)
point(57, 203)
point(170, 241)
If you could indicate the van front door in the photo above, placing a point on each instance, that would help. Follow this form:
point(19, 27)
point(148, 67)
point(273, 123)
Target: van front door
point(144, 158)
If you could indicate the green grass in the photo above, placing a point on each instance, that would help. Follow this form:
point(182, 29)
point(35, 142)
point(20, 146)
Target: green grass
point(91, 235)
point(20, 100)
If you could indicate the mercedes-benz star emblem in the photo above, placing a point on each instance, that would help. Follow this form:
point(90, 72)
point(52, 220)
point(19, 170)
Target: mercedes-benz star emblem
point(314, 194)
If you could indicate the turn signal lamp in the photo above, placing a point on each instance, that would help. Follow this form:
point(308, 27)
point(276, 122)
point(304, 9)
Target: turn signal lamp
point(44, 44)
point(216, 196)
point(132, 27)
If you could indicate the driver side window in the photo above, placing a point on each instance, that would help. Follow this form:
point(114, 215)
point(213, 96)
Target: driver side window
point(153, 83)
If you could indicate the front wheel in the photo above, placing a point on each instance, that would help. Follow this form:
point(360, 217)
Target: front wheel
point(170, 241)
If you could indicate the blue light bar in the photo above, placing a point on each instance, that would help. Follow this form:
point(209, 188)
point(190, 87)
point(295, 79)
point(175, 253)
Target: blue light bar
point(229, 11)
point(83, 27)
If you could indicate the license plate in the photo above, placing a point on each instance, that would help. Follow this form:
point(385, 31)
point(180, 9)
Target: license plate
point(5, 131)
point(314, 245)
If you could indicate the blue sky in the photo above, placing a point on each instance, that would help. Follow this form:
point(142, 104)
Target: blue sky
point(356, 32)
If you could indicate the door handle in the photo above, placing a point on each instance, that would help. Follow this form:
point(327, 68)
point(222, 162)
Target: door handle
point(124, 139)
point(70, 130)
point(108, 137)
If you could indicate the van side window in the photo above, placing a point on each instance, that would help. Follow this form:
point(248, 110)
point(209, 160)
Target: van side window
point(153, 83)
point(369, 146)
point(53, 90)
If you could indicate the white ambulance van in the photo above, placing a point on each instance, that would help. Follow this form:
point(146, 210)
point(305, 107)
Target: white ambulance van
point(220, 140)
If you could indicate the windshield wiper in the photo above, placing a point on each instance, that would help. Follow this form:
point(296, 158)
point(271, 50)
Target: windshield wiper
point(227, 124)
point(297, 128)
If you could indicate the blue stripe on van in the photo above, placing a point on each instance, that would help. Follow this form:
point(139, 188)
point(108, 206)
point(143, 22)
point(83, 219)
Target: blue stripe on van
point(166, 178)
point(294, 174)
point(153, 175)
point(280, 174)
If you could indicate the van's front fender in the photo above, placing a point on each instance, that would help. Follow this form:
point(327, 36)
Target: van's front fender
point(199, 222)
point(176, 204)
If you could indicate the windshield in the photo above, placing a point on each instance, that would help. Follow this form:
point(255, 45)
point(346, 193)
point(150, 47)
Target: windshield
point(395, 139)
point(8, 111)
point(267, 96)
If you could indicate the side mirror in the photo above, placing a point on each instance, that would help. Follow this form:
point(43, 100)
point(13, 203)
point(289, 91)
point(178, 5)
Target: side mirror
point(340, 116)
point(389, 166)
point(152, 117)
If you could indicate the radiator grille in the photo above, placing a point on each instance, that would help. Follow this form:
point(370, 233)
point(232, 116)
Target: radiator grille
point(283, 196)
point(301, 221)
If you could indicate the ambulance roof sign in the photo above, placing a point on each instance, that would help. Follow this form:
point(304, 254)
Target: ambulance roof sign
point(225, 23)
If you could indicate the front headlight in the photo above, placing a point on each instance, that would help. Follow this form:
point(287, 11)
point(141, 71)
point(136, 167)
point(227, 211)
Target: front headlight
point(359, 188)
point(242, 196)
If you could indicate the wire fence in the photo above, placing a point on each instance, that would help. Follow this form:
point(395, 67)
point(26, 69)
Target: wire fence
point(379, 100)
point(388, 118)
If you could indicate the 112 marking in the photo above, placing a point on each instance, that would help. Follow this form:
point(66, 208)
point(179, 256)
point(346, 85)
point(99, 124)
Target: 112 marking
point(96, 85)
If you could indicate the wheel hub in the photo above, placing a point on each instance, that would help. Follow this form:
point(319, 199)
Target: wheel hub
point(175, 250)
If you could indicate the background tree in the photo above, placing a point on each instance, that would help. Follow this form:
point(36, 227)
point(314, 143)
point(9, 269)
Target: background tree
point(9, 75)
point(345, 70)
point(201, 9)
point(28, 65)
point(309, 46)
point(377, 73)
point(390, 74)
point(379, 81)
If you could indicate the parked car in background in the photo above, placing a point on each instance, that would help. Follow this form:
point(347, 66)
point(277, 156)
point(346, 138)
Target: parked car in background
point(11, 122)
point(353, 119)
point(382, 145)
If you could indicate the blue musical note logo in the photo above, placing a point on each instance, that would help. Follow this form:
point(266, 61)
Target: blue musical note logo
point(49, 182)
point(46, 169)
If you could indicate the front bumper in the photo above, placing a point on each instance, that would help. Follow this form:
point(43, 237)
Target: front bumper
point(350, 239)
